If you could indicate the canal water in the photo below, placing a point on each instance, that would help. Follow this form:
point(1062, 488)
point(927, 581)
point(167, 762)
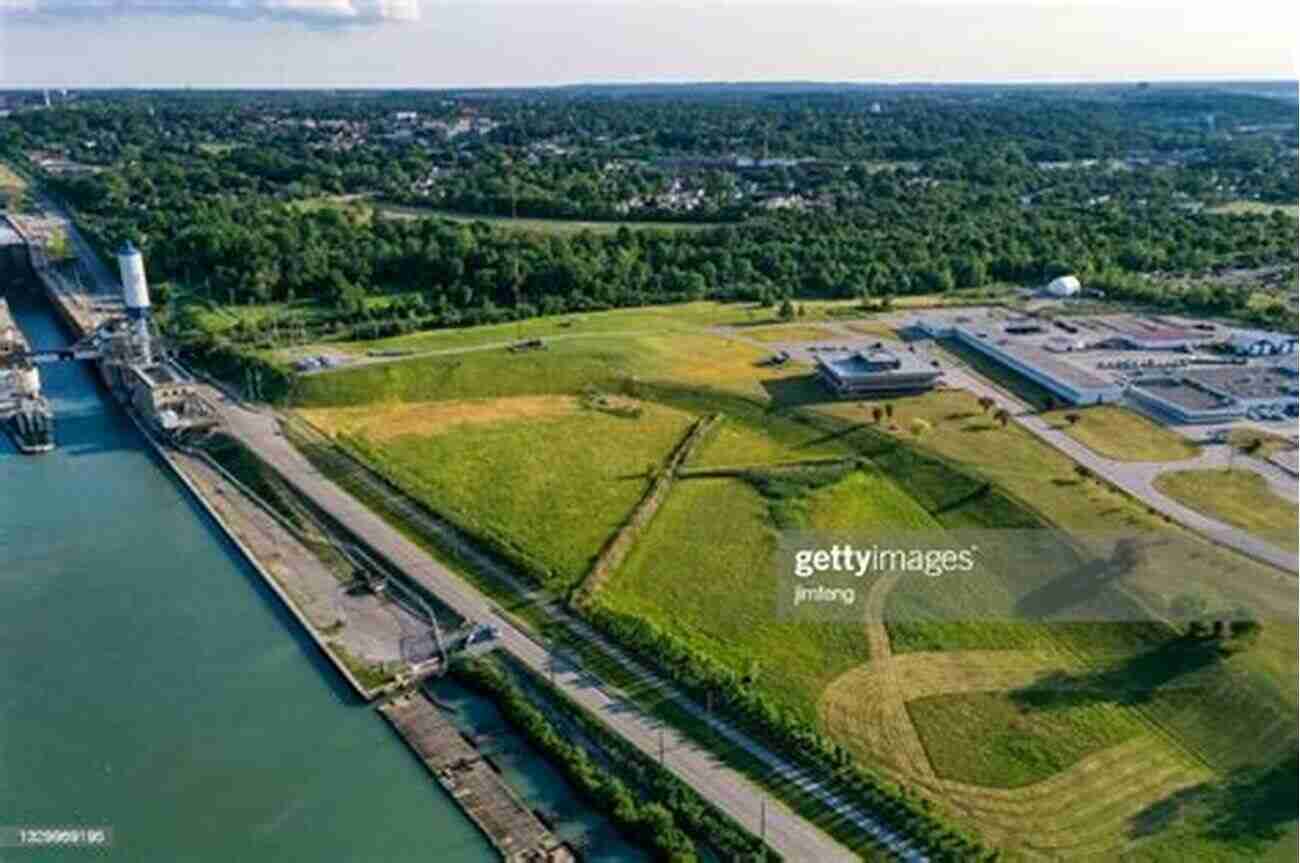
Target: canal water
point(150, 683)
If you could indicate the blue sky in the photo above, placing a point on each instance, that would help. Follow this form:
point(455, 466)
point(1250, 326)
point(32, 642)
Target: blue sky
point(436, 43)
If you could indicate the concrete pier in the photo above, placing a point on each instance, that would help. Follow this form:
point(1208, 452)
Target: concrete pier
point(516, 832)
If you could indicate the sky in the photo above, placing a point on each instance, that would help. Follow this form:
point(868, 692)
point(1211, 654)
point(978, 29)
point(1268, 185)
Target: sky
point(455, 43)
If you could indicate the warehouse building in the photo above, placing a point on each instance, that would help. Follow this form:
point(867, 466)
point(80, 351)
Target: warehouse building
point(1258, 343)
point(1074, 384)
point(1028, 347)
point(1221, 393)
point(1183, 400)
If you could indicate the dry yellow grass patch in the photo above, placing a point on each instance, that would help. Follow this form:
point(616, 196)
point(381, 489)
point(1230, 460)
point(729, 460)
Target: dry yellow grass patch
point(793, 333)
point(1079, 813)
point(874, 328)
point(713, 361)
point(383, 422)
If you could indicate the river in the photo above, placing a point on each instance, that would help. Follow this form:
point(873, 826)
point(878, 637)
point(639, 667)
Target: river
point(150, 683)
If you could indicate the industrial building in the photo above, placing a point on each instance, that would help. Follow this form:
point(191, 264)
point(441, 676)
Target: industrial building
point(1258, 343)
point(1026, 346)
point(124, 345)
point(1221, 393)
point(1137, 333)
point(875, 371)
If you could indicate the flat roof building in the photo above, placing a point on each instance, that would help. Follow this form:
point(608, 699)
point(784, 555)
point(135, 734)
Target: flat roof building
point(1025, 345)
point(1184, 400)
point(878, 370)
point(1220, 393)
point(1256, 343)
point(1149, 333)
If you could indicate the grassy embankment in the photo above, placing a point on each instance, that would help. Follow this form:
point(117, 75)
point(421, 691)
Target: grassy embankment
point(964, 471)
point(1122, 434)
point(1238, 497)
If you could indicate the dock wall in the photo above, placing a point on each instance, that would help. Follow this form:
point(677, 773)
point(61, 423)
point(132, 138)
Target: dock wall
point(512, 828)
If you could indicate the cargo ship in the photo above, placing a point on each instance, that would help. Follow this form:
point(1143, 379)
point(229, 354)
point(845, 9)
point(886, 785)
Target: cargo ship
point(25, 413)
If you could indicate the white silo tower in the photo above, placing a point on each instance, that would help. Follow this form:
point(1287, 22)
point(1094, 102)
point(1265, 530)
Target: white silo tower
point(135, 293)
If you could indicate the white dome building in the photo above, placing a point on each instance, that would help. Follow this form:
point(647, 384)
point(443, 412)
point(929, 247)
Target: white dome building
point(1064, 286)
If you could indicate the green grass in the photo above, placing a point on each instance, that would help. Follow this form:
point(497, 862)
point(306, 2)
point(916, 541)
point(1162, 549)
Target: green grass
point(705, 572)
point(1124, 435)
point(1015, 744)
point(1238, 497)
point(736, 444)
point(553, 488)
point(565, 366)
point(866, 502)
point(702, 570)
point(778, 335)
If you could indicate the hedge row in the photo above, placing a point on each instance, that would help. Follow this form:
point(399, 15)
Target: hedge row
point(660, 811)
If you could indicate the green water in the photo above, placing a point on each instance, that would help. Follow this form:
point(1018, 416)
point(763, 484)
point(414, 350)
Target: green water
point(149, 681)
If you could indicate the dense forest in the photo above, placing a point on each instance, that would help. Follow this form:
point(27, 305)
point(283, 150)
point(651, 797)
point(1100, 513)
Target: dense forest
point(820, 193)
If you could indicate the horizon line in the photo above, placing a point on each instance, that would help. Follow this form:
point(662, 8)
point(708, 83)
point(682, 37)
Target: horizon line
point(647, 82)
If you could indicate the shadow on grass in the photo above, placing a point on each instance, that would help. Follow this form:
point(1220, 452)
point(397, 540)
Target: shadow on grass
point(1251, 807)
point(787, 393)
point(1134, 681)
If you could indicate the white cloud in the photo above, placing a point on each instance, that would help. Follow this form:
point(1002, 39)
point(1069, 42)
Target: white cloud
point(321, 11)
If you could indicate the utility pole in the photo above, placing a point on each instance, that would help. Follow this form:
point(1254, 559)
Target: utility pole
point(762, 830)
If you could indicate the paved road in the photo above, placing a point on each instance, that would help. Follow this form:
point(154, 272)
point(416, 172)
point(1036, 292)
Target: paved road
point(1137, 478)
point(788, 833)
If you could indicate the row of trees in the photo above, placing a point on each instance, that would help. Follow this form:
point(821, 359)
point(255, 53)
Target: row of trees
point(656, 808)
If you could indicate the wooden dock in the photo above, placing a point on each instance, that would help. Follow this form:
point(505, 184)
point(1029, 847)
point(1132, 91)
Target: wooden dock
point(516, 832)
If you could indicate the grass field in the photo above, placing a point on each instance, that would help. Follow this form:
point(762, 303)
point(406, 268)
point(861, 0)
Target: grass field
point(542, 475)
point(1261, 444)
point(794, 333)
point(1239, 497)
point(703, 572)
point(565, 366)
point(736, 444)
point(874, 328)
point(1122, 434)
point(956, 710)
point(1017, 744)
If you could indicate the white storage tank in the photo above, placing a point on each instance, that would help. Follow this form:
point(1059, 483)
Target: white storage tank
point(135, 289)
point(1064, 286)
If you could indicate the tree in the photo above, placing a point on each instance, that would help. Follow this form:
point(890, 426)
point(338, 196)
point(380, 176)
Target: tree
point(986, 403)
point(877, 413)
point(1003, 416)
point(786, 312)
point(1072, 418)
point(1191, 609)
point(889, 410)
point(1245, 629)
